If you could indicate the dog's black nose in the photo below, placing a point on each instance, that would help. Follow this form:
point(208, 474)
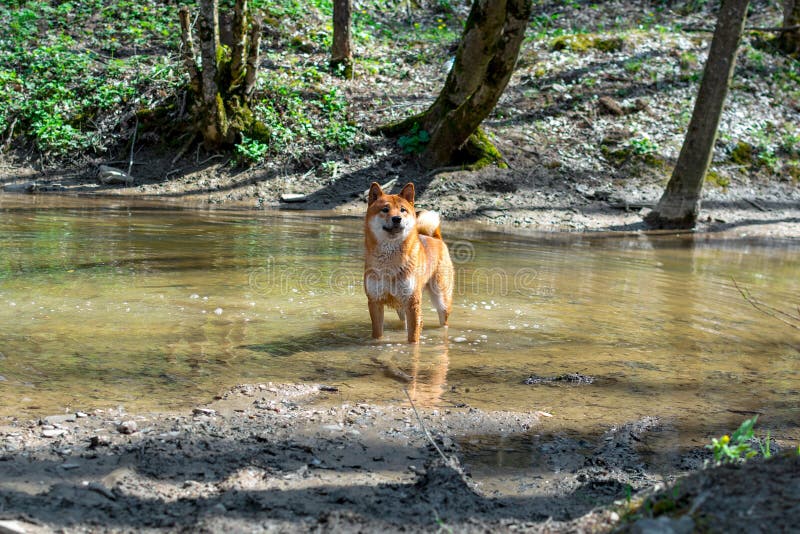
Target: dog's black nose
point(396, 219)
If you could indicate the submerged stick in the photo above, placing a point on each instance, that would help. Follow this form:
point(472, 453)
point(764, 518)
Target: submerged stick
point(766, 309)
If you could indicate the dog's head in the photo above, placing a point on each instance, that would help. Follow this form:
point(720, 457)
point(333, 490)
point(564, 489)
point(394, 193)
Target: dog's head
point(390, 216)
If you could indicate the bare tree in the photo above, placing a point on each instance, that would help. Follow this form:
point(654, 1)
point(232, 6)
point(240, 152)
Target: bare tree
point(679, 206)
point(482, 67)
point(342, 49)
point(790, 37)
point(223, 78)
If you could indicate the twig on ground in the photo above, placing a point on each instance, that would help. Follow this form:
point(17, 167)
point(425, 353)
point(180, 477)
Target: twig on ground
point(755, 204)
point(786, 318)
point(215, 156)
point(183, 150)
point(698, 502)
point(425, 429)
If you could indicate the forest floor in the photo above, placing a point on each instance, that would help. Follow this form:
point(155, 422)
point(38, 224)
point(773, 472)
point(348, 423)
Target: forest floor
point(290, 458)
point(590, 125)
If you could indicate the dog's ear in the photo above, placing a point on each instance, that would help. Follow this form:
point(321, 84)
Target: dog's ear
point(408, 192)
point(375, 191)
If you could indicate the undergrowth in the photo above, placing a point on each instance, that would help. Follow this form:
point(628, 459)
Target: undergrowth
point(83, 78)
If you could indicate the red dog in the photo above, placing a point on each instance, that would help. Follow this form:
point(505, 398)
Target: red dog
point(404, 254)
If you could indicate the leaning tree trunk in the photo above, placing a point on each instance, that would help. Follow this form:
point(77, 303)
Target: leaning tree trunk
point(342, 49)
point(223, 79)
point(789, 39)
point(679, 206)
point(481, 70)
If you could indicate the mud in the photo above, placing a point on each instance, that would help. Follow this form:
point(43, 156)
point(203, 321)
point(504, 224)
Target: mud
point(285, 458)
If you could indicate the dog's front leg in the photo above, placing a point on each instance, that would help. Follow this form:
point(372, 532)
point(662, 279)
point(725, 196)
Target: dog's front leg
point(376, 315)
point(414, 317)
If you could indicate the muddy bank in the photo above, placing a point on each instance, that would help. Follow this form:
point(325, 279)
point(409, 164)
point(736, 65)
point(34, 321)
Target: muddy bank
point(528, 196)
point(290, 458)
point(282, 458)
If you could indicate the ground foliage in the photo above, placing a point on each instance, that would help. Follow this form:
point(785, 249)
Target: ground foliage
point(602, 90)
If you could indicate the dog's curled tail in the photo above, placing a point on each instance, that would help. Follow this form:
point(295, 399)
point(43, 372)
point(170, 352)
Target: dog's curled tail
point(429, 223)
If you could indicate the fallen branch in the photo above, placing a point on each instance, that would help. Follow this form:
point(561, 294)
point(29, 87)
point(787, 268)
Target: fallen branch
point(786, 318)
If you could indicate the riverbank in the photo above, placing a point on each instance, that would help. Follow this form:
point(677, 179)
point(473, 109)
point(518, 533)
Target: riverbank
point(529, 197)
point(284, 458)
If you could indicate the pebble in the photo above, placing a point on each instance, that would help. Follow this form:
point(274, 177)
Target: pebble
point(459, 340)
point(99, 441)
point(67, 466)
point(293, 197)
point(59, 419)
point(53, 432)
point(127, 427)
point(204, 411)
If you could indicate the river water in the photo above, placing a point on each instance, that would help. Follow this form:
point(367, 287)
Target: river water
point(154, 306)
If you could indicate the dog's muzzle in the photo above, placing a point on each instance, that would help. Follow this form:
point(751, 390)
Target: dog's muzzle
point(394, 229)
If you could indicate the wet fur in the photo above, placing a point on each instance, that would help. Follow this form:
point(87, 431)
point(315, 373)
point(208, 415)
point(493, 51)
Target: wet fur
point(405, 254)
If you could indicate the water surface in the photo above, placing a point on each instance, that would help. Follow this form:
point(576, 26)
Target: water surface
point(150, 306)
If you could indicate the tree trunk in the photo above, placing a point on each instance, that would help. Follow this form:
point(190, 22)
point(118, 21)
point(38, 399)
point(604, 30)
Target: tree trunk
point(789, 40)
point(223, 78)
point(679, 206)
point(342, 49)
point(481, 70)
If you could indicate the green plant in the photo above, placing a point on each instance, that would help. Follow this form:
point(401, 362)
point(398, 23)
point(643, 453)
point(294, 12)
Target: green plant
point(737, 447)
point(415, 141)
point(765, 448)
point(251, 150)
point(643, 146)
point(633, 66)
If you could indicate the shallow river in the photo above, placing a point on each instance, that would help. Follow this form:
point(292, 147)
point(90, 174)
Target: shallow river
point(107, 302)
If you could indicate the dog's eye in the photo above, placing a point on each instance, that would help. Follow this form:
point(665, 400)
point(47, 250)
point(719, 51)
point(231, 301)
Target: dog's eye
point(403, 210)
point(385, 209)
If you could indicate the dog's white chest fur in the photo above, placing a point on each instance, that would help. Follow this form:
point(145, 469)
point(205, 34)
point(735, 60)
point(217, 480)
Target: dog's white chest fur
point(380, 285)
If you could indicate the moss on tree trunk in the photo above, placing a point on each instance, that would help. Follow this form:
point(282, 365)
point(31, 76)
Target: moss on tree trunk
point(223, 79)
point(483, 65)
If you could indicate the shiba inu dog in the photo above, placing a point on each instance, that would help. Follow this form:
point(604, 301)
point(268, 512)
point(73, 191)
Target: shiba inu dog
point(405, 254)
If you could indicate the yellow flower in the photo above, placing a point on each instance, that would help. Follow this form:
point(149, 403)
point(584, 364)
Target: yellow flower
point(725, 439)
